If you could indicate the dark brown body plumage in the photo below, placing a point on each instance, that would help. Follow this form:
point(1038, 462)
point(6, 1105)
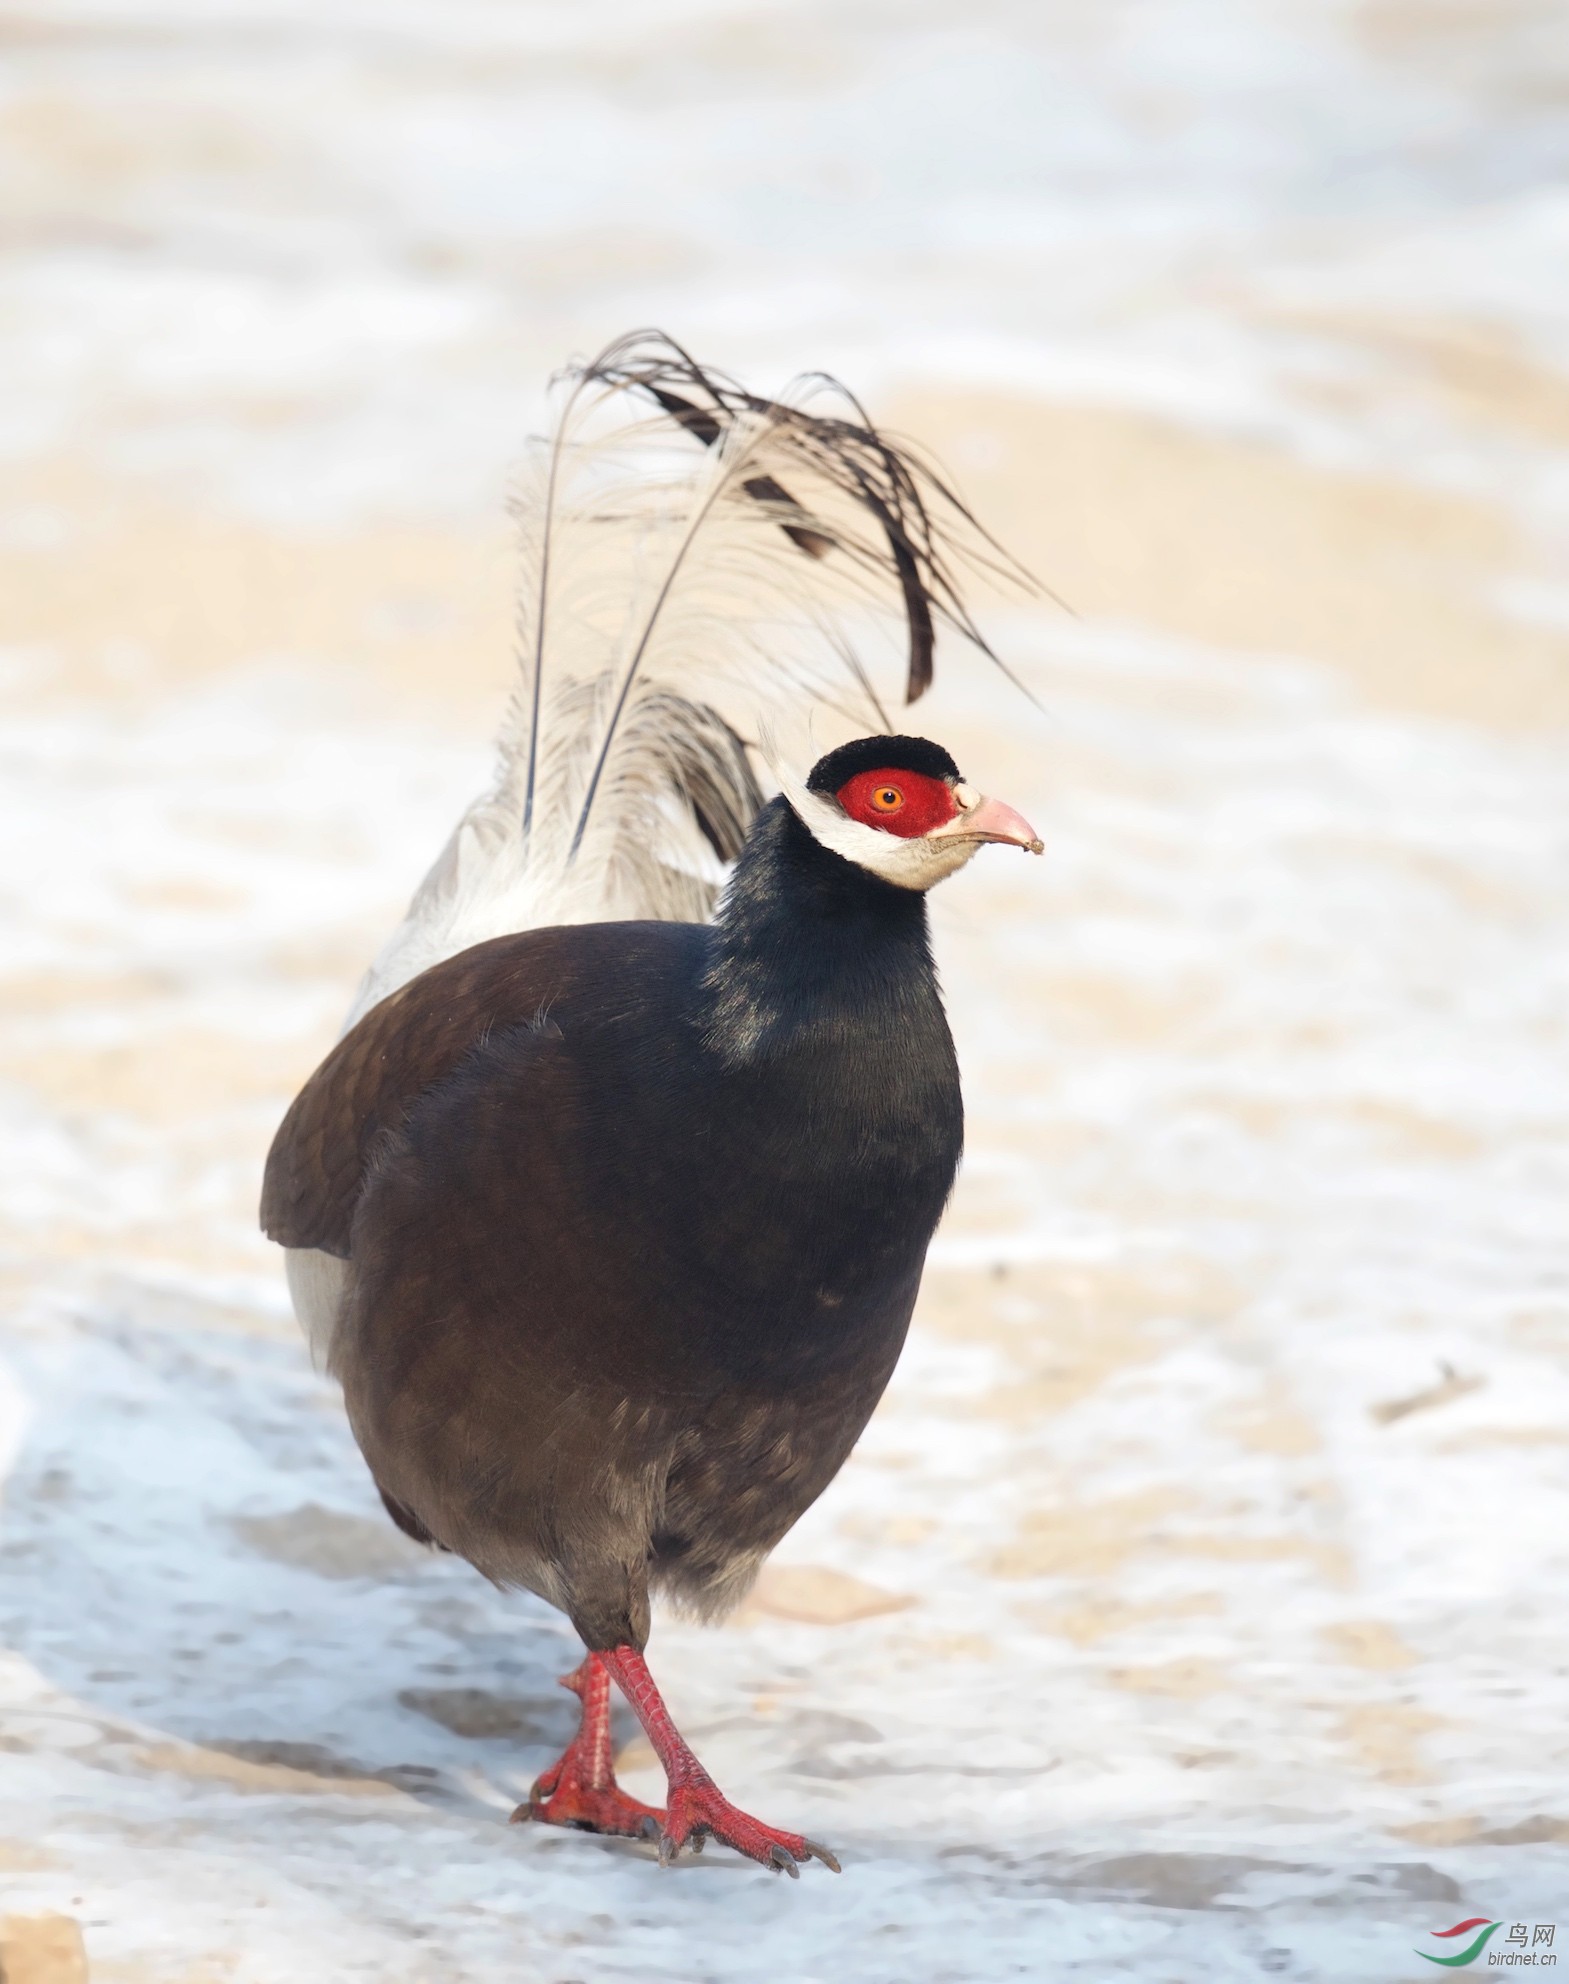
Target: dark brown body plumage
point(634, 1217)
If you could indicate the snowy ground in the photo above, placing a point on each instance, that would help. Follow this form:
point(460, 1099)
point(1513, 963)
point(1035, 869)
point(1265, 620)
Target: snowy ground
point(1196, 1605)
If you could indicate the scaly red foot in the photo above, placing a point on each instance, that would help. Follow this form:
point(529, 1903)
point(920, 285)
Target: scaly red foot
point(560, 1798)
point(696, 1809)
point(580, 1788)
point(699, 1810)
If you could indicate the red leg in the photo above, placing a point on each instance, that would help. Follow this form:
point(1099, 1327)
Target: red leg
point(580, 1789)
point(696, 1806)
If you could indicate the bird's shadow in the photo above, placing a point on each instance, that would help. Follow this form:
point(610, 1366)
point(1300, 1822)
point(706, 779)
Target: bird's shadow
point(192, 1547)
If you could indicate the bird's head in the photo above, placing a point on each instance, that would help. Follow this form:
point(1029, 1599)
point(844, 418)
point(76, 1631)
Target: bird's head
point(898, 807)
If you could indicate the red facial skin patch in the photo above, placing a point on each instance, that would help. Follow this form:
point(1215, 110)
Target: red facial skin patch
point(908, 804)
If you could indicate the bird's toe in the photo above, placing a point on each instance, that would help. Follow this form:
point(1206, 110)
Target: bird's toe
point(698, 1812)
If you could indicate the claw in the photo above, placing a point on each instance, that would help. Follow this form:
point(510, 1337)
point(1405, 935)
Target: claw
point(695, 1807)
point(783, 1861)
point(560, 1797)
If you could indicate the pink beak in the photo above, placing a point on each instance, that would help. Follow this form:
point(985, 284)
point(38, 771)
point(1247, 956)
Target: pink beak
point(988, 819)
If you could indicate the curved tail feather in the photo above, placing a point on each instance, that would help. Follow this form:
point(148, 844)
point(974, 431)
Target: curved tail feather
point(672, 594)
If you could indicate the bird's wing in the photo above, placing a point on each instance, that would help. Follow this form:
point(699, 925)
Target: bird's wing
point(697, 560)
point(412, 1039)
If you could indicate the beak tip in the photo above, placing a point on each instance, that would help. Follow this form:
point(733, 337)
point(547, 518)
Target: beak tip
point(990, 820)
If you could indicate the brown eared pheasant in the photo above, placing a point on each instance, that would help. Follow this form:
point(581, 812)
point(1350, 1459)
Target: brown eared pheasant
point(609, 1208)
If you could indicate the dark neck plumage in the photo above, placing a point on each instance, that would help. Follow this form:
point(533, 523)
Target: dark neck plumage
point(810, 950)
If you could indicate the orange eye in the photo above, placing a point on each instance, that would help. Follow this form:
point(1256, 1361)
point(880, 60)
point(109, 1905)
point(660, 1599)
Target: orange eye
point(887, 799)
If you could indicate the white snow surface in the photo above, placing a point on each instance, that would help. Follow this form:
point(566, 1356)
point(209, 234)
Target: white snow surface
point(1211, 1664)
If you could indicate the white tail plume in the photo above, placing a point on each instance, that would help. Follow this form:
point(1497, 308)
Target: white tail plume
point(694, 558)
